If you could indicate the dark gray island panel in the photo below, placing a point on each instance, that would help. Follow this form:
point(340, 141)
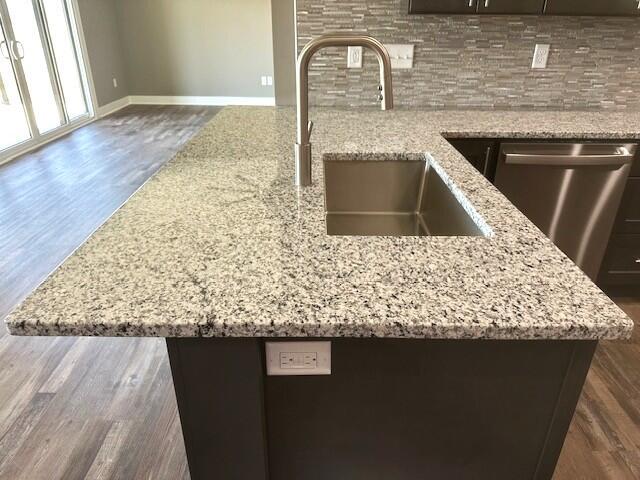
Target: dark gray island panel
point(392, 408)
point(219, 389)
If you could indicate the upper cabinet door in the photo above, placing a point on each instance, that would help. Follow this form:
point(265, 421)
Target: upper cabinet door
point(527, 7)
point(593, 7)
point(443, 6)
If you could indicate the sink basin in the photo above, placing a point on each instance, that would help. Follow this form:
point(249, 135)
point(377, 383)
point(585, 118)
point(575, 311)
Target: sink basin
point(405, 197)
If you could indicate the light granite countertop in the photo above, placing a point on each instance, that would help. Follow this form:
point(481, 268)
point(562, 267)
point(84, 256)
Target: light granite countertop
point(220, 243)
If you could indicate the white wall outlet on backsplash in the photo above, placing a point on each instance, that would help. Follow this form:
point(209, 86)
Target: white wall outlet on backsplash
point(266, 80)
point(115, 82)
point(354, 57)
point(540, 55)
point(401, 55)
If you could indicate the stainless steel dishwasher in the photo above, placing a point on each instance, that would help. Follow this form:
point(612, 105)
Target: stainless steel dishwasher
point(569, 191)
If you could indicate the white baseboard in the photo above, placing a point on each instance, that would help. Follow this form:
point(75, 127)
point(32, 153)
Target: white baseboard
point(113, 107)
point(182, 100)
point(212, 101)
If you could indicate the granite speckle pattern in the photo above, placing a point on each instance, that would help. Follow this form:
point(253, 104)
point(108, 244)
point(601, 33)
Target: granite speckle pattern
point(220, 243)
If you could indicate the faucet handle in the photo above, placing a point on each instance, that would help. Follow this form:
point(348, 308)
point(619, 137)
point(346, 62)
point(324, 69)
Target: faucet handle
point(380, 88)
point(379, 97)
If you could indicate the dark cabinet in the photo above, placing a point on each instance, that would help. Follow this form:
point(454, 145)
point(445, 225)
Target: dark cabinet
point(620, 272)
point(635, 169)
point(629, 214)
point(481, 153)
point(527, 7)
point(530, 7)
point(621, 264)
point(593, 7)
point(442, 6)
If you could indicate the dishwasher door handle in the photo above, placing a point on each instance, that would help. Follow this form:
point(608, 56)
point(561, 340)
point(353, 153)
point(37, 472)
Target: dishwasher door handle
point(621, 157)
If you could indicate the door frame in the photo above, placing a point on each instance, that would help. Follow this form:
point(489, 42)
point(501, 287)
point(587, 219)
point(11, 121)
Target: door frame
point(18, 73)
point(86, 76)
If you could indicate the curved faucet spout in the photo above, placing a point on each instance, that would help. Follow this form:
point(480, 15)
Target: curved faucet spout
point(304, 126)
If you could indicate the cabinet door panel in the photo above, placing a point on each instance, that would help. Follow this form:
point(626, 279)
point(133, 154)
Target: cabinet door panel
point(629, 216)
point(533, 7)
point(593, 7)
point(443, 6)
point(635, 170)
point(479, 152)
point(621, 265)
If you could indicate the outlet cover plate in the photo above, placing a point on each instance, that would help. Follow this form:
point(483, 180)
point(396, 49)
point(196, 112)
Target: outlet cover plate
point(401, 55)
point(354, 57)
point(540, 56)
point(298, 358)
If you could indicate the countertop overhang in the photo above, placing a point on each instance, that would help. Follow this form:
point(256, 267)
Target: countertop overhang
point(220, 243)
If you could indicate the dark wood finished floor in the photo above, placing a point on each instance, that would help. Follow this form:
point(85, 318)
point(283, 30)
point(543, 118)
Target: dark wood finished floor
point(74, 408)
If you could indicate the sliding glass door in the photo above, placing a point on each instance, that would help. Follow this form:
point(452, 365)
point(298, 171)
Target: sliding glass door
point(14, 128)
point(41, 64)
point(59, 21)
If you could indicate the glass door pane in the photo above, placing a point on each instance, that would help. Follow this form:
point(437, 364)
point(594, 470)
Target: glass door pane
point(58, 21)
point(15, 127)
point(29, 48)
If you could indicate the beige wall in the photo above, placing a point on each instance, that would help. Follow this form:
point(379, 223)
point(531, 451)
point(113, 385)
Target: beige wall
point(105, 52)
point(284, 50)
point(197, 47)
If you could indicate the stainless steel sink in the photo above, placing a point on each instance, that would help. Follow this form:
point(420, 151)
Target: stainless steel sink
point(403, 197)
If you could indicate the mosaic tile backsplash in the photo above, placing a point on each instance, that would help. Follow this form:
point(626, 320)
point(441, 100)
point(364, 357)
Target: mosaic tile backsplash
point(477, 61)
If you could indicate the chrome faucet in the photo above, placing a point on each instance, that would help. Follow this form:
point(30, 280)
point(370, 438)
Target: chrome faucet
point(304, 126)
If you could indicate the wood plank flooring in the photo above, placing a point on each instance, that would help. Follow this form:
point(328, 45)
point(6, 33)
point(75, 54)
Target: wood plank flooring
point(75, 408)
point(84, 407)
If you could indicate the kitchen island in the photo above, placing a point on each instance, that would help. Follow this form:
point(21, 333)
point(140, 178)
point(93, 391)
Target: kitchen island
point(458, 357)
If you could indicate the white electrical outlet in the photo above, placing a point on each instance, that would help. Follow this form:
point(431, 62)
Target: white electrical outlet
point(540, 56)
point(269, 80)
point(401, 55)
point(115, 82)
point(298, 358)
point(354, 57)
point(289, 360)
point(263, 80)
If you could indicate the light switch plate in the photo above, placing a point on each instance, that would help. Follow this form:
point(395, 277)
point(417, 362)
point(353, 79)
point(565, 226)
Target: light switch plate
point(540, 55)
point(401, 55)
point(298, 358)
point(354, 57)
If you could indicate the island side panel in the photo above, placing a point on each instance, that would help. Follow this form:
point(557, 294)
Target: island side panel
point(415, 409)
point(220, 393)
point(575, 377)
point(391, 408)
